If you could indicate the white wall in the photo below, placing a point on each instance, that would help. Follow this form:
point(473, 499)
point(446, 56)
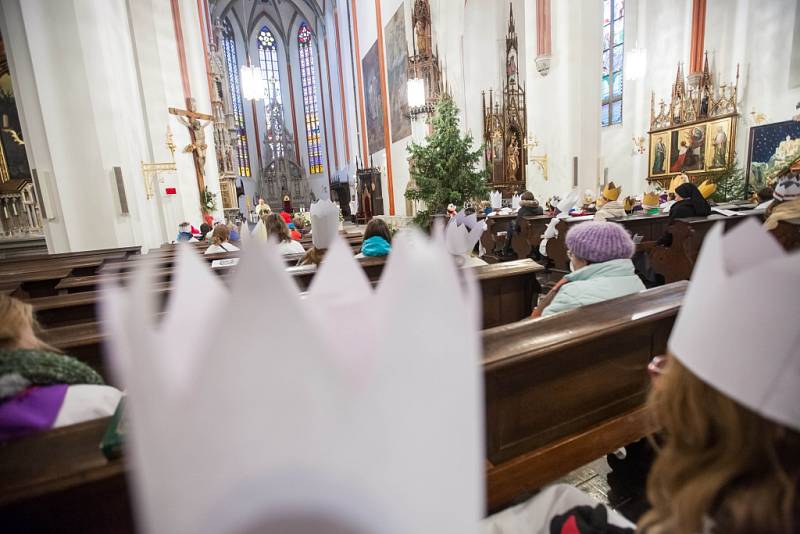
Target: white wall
point(94, 79)
point(756, 35)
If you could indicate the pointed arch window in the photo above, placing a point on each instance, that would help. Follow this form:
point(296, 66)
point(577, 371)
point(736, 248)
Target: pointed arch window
point(268, 61)
point(309, 86)
point(232, 65)
point(613, 45)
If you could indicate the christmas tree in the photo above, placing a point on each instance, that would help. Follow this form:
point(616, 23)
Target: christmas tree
point(446, 168)
point(730, 183)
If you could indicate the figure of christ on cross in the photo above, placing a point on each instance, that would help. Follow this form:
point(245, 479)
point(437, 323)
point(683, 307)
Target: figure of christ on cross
point(196, 122)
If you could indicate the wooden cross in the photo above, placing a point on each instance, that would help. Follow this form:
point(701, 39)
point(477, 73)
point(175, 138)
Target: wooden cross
point(194, 121)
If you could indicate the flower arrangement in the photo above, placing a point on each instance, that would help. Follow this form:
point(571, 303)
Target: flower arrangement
point(208, 201)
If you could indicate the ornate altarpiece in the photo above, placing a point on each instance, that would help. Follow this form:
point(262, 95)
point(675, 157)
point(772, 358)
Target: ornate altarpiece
point(283, 179)
point(695, 133)
point(505, 124)
point(424, 63)
point(225, 130)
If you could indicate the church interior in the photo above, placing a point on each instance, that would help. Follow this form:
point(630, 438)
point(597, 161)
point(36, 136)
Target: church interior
point(497, 266)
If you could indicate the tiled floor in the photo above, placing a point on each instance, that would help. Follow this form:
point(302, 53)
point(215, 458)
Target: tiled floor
point(626, 494)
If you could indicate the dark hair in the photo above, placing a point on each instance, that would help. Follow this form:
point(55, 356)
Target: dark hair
point(205, 228)
point(277, 226)
point(764, 194)
point(527, 195)
point(378, 227)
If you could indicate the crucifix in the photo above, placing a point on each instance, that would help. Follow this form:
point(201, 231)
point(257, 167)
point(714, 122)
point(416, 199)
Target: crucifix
point(196, 122)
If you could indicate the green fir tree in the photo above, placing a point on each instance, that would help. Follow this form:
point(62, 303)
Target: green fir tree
point(446, 168)
point(730, 183)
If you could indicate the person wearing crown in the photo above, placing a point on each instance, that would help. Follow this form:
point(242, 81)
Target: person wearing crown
point(608, 204)
point(726, 402)
point(561, 210)
point(324, 229)
point(40, 388)
point(673, 185)
point(650, 204)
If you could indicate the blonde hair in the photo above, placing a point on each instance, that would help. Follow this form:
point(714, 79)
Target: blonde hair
point(220, 234)
point(720, 461)
point(17, 321)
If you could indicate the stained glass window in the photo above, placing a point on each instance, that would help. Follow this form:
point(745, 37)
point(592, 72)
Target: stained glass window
point(613, 58)
point(232, 63)
point(268, 61)
point(308, 83)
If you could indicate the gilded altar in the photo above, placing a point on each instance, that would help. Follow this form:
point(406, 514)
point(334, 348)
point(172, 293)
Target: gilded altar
point(695, 133)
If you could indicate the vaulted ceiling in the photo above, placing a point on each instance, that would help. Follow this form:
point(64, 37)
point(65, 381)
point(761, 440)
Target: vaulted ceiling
point(280, 15)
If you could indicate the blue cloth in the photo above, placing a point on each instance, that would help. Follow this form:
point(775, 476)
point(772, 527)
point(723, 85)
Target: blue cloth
point(184, 236)
point(376, 246)
point(234, 236)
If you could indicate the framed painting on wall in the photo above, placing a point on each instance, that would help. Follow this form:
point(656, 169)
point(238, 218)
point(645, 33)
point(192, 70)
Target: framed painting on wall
point(768, 147)
point(659, 154)
point(687, 149)
point(718, 147)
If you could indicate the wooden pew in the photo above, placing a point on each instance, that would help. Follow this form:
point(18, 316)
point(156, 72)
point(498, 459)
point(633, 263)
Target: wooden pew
point(550, 407)
point(676, 262)
point(529, 235)
point(491, 240)
point(564, 390)
point(129, 251)
point(508, 290)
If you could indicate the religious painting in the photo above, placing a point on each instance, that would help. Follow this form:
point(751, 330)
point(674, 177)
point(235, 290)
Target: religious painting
point(397, 72)
point(718, 147)
point(769, 147)
point(372, 99)
point(659, 153)
point(687, 149)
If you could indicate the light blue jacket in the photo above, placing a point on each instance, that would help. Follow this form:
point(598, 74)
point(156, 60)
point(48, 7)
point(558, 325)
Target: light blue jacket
point(595, 283)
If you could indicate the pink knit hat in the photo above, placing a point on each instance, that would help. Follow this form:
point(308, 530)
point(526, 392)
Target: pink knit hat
point(597, 242)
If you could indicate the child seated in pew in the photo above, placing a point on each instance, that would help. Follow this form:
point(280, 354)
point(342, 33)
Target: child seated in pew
point(727, 405)
point(185, 233)
point(278, 231)
point(528, 207)
point(205, 231)
point(786, 202)
point(233, 232)
point(601, 268)
point(377, 240)
point(41, 388)
point(324, 229)
point(219, 241)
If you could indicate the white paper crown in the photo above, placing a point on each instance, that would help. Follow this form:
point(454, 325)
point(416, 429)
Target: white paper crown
point(496, 199)
point(515, 202)
point(737, 326)
point(463, 232)
point(567, 204)
point(288, 415)
point(324, 223)
point(260, 231)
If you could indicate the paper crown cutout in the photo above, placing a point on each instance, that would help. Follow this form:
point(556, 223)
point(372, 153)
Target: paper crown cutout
point(610, 192)
point(260, 231)
point(651, 200)
point(229, 432)
point(324, 223)
point(463, 232)
point(496, 199)
point(676, 181)
point(787, 188)
point(749, 353)
point(515, 202)
point(707, 188)
point(588, 197)
point(566, 204)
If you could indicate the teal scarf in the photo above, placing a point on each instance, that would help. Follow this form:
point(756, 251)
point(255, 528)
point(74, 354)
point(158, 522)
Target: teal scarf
point(43, 368)
point(376, 246)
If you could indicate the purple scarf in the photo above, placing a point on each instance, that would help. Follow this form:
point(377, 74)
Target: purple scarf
point(32, 410)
